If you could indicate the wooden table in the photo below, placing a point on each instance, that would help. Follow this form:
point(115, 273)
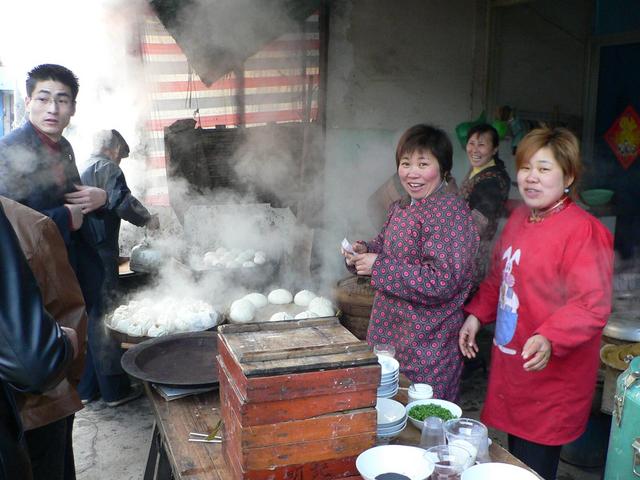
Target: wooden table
point(172, 456)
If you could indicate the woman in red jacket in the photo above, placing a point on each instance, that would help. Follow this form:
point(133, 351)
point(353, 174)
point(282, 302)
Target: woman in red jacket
point(549, 292)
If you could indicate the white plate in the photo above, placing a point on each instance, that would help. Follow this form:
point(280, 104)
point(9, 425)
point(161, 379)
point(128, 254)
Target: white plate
point(389, 365)
point(393, 381)
point(388, 388)
point(494, 470)
point(387, 393)
point(452, 407)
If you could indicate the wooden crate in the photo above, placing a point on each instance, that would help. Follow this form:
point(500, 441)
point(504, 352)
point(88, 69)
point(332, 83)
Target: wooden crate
point(297, 398)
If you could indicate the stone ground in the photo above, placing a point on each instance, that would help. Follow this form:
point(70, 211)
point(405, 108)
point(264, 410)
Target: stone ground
point(112, 443)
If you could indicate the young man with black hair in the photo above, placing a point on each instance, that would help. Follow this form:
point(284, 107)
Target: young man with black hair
point(37, 169)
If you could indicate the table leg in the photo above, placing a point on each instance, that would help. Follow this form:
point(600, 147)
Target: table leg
point(152, 459)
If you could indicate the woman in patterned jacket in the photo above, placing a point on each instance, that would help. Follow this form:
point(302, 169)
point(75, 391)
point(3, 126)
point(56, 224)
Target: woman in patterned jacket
point(421, 265)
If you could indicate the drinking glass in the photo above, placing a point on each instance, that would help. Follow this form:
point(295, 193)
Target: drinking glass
point(432, 432)
point(384, 349)
point(470, 434)
point(450, 461)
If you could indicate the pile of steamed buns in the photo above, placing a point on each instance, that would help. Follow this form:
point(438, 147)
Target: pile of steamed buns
point(155, 318)
point(244, 309)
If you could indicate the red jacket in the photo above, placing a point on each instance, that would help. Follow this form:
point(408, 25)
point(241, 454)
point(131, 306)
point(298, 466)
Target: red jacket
point(551, 278)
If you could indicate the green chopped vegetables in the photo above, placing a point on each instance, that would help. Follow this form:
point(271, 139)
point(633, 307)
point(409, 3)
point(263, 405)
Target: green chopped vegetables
point(420, 412)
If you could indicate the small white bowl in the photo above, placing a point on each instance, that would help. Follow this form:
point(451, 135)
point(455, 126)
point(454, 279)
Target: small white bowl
point(455, 410)
point(390, 412)
point(400, 459)
point(389, 366)
point(494, 470)
point(393, 432)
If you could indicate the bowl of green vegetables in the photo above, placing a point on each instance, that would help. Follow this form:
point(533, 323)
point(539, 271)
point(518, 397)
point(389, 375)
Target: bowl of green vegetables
point(418, 410)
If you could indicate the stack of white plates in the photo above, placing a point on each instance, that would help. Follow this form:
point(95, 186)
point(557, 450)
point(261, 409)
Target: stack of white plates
point(389, 376)
point(392, 417)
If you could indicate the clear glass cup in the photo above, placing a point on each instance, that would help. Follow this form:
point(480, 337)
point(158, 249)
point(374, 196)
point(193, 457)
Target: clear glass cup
point(470, 434)
point(449, 460)
point(432, 432)
point(384, 349)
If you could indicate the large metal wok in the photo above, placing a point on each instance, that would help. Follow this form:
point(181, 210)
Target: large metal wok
point(182, 359)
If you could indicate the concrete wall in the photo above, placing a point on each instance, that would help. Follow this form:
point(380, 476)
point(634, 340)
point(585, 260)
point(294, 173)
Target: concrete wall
point(391, 65)
point(394, 64)
point(538, 55)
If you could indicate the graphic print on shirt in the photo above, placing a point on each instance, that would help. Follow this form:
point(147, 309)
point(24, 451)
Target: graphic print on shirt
point(507, 317)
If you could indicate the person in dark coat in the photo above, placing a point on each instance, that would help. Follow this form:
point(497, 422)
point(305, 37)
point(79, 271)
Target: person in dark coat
point(104, 172)
point(485, 188)
point(29, 362)
point(37, 169)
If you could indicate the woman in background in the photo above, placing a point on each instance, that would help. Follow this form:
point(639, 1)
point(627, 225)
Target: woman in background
point(421, 265)
point(549, 292)
point(485, 189)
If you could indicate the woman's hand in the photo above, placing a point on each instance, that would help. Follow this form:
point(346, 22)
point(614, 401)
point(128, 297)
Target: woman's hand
point(467, 336)
point(537, 350)
point(358, 247)
point(363, 262)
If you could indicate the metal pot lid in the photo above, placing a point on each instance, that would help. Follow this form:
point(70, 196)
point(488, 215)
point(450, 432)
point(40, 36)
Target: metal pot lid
point(181, 359)
point(624, 326)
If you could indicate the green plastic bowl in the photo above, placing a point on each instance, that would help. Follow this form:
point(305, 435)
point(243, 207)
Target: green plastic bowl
point(596, 196)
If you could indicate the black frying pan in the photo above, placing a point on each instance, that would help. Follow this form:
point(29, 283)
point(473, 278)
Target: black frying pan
point(181, 359)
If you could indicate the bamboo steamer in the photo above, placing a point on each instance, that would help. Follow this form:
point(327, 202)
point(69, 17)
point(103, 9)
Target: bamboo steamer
point(354, 297)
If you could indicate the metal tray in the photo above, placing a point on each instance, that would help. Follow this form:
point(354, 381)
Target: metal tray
point(181, 359)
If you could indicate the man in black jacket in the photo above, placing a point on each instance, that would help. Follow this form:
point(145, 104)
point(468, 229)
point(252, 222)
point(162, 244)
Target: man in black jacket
point(37, 169)
point(34, 351)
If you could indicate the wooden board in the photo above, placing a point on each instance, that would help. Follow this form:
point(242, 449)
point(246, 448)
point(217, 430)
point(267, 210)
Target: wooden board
point(304, 335)
point(303, 384)
point(344, 468)
point(269, 456)
point(198, 413)
point(262, 413)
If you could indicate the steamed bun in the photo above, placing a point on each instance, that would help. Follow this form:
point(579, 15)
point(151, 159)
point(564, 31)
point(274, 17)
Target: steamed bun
point(316, 303)
point(242, 311)
point(276, 317)
point(258, 299)
point(280, 296)
point(304, 297)
point(305, 314)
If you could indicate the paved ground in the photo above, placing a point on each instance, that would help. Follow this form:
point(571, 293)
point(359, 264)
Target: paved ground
point(112, 443)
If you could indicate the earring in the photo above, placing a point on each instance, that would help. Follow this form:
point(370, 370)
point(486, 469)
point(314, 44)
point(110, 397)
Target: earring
point(566, 189)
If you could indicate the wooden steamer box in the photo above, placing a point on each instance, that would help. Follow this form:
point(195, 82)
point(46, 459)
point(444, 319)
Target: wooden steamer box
point(297, 399)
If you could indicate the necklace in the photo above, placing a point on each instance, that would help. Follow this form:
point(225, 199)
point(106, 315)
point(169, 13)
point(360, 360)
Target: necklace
point(536, 216)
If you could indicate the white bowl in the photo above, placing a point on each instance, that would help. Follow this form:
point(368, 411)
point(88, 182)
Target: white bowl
point(389, 366)
point(393, 428)
point(388, 393)
point(494, 470)
point(455, 410)
point(400, 459)
point(392, 431)
point(390, 412)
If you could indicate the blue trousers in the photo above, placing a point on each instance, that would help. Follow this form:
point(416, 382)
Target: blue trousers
point(543, 459)
point(110, 387)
